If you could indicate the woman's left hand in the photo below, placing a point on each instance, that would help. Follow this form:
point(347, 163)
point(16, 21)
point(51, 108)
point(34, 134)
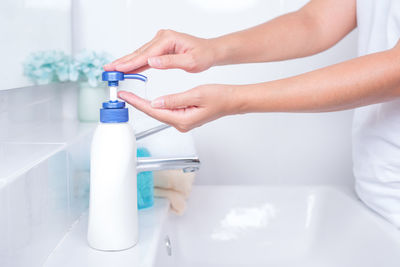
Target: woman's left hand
point(189, 109)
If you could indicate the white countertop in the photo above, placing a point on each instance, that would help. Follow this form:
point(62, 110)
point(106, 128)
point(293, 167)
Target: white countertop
point(73, 250)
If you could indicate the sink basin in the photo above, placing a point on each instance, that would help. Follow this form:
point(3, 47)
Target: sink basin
point(277, 226)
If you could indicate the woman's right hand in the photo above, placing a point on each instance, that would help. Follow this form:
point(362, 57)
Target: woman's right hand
point(192, 108)
point(168, 50)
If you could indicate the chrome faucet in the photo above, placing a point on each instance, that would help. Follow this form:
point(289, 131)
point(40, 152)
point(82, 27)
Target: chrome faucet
point(187, 164)
point(151, 131)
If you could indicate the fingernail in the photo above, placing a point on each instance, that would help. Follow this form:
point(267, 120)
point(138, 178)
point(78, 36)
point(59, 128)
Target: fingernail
point(120, 67)
point(157, 103)
point(154, 62)
point(121, 94)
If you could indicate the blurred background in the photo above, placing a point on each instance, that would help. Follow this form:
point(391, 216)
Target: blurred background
point(52, 53)
point(280, 148)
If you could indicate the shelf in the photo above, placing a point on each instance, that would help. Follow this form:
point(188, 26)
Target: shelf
point(74, 250)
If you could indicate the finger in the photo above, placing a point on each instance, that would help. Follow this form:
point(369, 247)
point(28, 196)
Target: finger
point(111, 66)
point(139, 70)
point(108, 67)
point(178, 61)
point(166, 116)
point(132, 55)
point(135, 63)
point(157, 49)
point(176, 101)
point(135, 53)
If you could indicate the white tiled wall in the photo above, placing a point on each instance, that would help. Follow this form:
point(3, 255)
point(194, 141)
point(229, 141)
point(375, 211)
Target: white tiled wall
point(29, 26)
point(78, 176)
point(38, 206)
point(44, 172)
point(4, 259)
point(36, 213)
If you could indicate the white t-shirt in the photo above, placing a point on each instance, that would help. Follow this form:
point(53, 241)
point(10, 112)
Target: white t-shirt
point(376, 128)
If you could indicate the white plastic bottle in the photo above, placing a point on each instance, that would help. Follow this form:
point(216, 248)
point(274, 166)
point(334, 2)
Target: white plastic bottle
point(113, 217)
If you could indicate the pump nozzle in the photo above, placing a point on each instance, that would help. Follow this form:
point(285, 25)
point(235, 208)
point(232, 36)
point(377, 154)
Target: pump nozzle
point(113, 78)
point(113, 93)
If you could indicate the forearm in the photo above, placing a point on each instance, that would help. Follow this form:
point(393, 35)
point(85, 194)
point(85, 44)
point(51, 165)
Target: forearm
point(312, 29)
point(362, 81)
point(288, 36)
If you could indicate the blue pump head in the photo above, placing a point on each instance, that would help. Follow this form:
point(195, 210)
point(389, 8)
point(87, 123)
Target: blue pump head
point(114, 112)
point(113, 77)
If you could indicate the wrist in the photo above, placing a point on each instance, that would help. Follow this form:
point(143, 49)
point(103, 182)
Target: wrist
point(238, 102)
point(219, 50)
point(253, 98)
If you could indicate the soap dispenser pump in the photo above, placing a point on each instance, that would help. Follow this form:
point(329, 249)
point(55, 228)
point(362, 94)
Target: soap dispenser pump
point(113, 216)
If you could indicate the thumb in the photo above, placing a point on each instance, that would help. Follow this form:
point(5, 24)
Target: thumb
point(175, 101)
point(179, 61)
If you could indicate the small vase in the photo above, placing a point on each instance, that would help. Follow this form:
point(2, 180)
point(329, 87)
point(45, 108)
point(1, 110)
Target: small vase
point(69, 101)
point(89, 102)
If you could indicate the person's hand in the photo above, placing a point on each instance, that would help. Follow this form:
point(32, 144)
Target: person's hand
point(168, 50)
point(189, 109)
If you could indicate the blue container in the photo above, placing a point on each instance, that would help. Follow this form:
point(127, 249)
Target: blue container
point(145, 184)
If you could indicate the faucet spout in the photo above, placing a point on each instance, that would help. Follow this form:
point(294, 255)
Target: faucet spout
point(187, 164)
point(151, 131)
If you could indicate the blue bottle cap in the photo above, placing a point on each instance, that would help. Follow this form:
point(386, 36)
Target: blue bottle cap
point(114, 112)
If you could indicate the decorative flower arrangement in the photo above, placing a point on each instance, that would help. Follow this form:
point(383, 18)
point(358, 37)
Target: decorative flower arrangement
point(88, 66)
point(44, 67)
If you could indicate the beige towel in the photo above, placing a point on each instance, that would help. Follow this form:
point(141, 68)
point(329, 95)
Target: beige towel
point(174, 185)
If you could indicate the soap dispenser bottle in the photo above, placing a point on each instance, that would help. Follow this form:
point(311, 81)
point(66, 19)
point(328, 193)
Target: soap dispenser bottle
point(113, 217)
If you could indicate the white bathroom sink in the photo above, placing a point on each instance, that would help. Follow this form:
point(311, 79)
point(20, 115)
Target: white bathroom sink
point(278, 226)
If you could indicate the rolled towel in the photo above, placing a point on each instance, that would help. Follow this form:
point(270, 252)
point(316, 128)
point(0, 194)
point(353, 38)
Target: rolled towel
point(176, 180)
point(176, 199)
point(174, 185)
